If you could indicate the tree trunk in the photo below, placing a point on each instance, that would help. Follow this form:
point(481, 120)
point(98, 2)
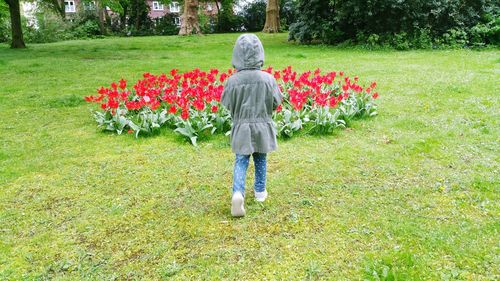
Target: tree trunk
point(61, 8)
point(218, 8)
point(15, 20)
point(100, 16)
point(190, 23)
point(58, 7)
point(272, 24)
point(137, 23)
point(123, 20)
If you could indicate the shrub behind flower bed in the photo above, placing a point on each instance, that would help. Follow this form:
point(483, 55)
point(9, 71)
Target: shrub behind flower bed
point(189, 103)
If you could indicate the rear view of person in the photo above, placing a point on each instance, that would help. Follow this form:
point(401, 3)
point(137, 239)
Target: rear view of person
point(251, 96)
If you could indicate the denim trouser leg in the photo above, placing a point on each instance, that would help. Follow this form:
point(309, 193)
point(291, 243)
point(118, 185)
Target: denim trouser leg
point(259, 160)
point(240, 172)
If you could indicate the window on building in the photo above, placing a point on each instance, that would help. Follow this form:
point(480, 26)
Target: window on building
point(69, 6)
point(177, 21)
point(157, 6)
point(174, 7)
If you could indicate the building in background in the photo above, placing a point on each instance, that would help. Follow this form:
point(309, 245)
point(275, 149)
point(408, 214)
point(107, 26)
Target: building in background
point(28, 10)
point(156, 10)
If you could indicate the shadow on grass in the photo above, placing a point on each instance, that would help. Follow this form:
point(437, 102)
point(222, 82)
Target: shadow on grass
point(65, 101)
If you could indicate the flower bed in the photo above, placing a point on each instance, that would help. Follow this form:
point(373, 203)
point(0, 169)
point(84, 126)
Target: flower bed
point(189, 103)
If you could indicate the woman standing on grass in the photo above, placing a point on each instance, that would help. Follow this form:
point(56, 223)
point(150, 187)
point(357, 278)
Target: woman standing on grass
point(251, 96)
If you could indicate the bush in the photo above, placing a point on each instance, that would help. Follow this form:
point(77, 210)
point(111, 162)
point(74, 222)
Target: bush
point(228, 22)
point(50, 29)
point(401, 41)
point(423, 39)
point(288, 13)
point(86, 25)
point(53, 29)
point(166, 26)
point(403, 24)
point(455, 37)
point(87, 29)
point(485, 33)
point(5, 32)
point(314, 22)
point(207, 23)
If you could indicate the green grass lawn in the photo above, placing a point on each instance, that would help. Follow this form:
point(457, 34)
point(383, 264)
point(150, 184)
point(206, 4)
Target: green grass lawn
point(412, 194)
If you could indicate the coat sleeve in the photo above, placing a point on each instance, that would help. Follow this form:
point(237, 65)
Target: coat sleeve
point(277, 96)
point(226, 98)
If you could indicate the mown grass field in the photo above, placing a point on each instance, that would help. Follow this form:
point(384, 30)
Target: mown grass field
point(412, 194)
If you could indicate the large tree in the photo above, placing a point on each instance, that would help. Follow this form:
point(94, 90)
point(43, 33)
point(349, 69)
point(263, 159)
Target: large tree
point(101, 17)
point(15, 21)
point(190, 23)
point(272, 24)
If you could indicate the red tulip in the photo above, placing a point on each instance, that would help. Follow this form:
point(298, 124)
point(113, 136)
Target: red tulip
point(185, 114)
point(172, 109)
point(123, 84)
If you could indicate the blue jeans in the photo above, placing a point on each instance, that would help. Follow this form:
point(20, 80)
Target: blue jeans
point(240, 172)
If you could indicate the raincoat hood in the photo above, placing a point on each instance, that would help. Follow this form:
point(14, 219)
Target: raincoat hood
point(248, 52)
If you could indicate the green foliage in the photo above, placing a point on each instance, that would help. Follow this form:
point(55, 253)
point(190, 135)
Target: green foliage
point(147, 122)
point(401, 24)
point(485, 33)
point(288, 13)
point(139, 22)
point(288, 123)
point(5, 32)
point(165, 26)
point(400, 41)
point(314, 22)
point(398, 266)
point(86, 25)
point(207, 23)
point(4, 10)
point(254, 15)
point(86, 29)
point(50, 29)
point(193, 128)
point(227, 21)
point(324, 120)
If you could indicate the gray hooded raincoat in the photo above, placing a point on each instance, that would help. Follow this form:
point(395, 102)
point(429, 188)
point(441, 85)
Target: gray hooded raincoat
point(251, 95)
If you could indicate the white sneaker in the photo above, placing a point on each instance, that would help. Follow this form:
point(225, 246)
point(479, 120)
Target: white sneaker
point(260, 196)
point(237, 205)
